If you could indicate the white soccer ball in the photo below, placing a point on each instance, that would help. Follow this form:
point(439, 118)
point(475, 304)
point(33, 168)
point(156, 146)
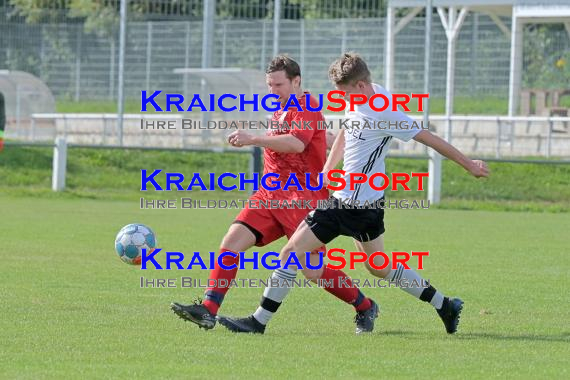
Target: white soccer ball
point(130, 241)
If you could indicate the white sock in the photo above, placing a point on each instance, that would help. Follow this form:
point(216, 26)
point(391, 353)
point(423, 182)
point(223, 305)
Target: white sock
point(412, 283)
point(274, 293)
point(437, 300)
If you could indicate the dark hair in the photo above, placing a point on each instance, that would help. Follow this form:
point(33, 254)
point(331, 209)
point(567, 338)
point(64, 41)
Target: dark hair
point(284, 63)
point(349, 69)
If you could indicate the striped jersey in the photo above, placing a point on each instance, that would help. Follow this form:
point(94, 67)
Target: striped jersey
point(368, 136)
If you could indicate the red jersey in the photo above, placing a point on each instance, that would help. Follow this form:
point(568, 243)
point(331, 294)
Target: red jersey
point(311, 160)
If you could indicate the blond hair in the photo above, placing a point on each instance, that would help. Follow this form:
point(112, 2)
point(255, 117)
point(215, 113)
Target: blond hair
point(349, 69)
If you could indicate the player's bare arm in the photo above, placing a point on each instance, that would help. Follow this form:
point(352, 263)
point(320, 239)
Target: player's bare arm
point(477, 168)
point(280, 143)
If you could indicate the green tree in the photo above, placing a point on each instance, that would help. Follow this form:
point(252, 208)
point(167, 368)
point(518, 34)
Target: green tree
point(546, 64)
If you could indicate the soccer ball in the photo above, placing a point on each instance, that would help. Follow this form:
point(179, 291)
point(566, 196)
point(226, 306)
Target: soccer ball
point(130, 241)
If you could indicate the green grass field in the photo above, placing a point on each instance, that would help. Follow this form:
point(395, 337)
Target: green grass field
point(72, 309)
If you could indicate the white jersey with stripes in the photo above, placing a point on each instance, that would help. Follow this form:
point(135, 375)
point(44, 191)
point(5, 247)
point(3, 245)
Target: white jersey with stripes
point(367, 143)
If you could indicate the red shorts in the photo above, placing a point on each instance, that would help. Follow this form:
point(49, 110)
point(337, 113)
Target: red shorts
point(271, 224)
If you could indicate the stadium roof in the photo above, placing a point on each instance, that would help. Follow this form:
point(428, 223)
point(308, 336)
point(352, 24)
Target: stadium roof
point(485, 4)
point(545, 10)
point(520, 11)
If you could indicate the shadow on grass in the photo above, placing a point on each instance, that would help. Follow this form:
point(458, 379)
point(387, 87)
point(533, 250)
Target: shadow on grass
point(563, 337)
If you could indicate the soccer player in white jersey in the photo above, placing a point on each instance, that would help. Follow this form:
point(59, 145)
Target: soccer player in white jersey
point(363, 151)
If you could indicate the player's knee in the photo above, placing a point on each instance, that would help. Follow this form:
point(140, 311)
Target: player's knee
point(382, 273)
point(286, 259)
point(288, 249)
point(235, 240)
point(228, 243)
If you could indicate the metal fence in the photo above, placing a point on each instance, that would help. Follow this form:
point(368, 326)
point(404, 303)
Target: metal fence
point(80, 64)
point(59, 10)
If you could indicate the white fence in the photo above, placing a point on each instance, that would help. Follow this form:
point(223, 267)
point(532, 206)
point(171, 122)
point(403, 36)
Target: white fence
point(60, 148)
point(508, 135)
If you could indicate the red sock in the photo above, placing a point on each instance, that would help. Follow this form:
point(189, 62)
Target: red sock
point(343, 289)
point(214, 295)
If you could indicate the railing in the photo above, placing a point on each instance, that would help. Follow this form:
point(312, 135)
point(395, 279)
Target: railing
point(490, 135)
point(501, 122)
point(60, 147)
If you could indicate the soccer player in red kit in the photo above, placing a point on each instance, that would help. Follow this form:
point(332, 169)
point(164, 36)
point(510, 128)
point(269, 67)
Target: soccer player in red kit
point(288, 149)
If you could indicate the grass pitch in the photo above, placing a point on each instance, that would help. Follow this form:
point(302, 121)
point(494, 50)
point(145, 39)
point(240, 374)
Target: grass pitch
point(72, 309)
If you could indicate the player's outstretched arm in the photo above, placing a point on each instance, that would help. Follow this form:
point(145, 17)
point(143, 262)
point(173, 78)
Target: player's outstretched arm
point(477, 168)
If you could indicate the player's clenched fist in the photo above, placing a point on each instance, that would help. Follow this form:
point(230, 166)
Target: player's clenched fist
point(479, 169)
point(240, 138)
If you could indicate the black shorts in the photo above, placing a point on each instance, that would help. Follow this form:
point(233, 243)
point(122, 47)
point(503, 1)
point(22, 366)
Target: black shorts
point(363, 224)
